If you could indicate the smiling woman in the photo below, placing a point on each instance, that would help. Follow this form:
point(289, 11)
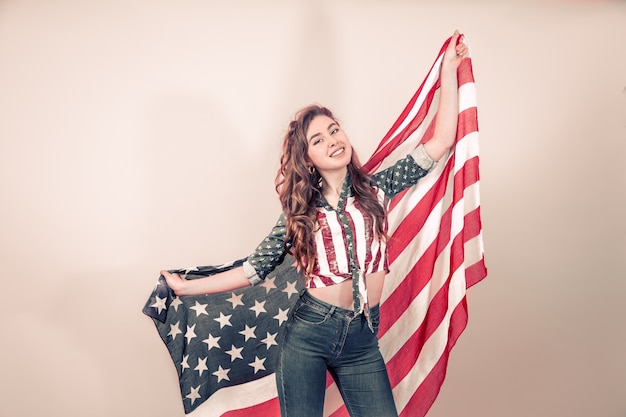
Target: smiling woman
point(139, 135)
point(329, 147)
point(334, 224)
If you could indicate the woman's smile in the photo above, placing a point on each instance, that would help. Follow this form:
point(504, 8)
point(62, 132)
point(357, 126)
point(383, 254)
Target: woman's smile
point(338, 152)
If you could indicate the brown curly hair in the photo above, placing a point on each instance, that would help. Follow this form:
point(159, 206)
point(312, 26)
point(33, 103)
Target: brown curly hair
point(299, 190)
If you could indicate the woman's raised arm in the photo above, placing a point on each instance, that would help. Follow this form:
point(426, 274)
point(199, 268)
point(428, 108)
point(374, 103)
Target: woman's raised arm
point(448, 108)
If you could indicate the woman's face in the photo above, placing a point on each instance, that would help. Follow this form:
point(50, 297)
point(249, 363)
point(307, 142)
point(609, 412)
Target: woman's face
point(329, 148)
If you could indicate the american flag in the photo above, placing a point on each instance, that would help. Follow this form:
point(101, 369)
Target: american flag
point(224, 345)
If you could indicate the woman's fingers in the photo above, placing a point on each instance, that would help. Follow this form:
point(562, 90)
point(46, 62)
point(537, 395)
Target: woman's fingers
point(453, 41)
point(458, 40)
point(174, 281)
point(457, 46)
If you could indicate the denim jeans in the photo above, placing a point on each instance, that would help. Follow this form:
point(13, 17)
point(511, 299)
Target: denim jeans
point(320, 337)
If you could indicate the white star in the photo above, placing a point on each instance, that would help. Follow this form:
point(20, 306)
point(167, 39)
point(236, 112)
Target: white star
point(270, 340)
point(174, 330)
point(258, 364)
point(268, 284)
point(290, 289)
point(223, 320)
point(235, 353)
point(212, 341)
point(159, 304)
point(201, 366)
point(190, 333)
point(193, 395)
point(199, 309)
point(184, 365)
point(235, 300)
point(281, 316)
point(258, 307)
point(190, 269)
point(248, 332)
point(175, 303)
point(221, 374)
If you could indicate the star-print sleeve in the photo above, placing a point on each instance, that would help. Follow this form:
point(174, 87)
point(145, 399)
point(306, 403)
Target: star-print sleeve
point(404, 173)
point(268, 254)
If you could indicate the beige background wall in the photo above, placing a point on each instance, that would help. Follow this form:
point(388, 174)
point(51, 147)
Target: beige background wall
point(136, 135)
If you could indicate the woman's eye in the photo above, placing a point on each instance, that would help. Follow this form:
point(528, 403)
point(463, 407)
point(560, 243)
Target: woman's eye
point(316, 141)
point(332, 132)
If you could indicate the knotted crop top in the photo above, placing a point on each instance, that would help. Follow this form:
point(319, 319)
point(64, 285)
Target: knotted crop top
point(346, 243)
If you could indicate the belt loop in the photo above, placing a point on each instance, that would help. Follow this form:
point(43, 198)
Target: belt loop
point(331, 311)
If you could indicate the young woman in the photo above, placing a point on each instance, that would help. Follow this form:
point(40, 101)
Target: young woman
point(334, 225)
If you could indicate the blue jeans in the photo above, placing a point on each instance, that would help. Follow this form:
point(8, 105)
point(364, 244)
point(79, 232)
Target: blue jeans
point(320, 337)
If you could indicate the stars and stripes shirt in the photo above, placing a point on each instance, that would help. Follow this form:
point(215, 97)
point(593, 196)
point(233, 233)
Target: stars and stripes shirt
point(345, 242)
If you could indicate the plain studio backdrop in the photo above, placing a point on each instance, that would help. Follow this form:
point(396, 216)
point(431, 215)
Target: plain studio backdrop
point(140, 135)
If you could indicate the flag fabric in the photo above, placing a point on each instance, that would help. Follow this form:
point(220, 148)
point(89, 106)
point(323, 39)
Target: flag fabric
point(224, 345)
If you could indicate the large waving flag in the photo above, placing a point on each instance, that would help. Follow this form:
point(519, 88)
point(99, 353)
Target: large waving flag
point(224, 345)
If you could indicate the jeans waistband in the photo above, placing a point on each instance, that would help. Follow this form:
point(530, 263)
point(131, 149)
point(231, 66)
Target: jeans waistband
point(324, 307)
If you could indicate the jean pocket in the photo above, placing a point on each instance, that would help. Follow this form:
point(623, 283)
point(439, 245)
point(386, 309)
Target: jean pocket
point(307, 314)
point(375, 317)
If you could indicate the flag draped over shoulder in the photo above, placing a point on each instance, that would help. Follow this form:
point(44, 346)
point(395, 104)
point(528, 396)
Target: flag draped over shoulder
point(224, 345)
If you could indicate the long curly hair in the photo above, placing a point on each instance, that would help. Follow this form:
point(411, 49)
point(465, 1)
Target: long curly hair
point(299, 190)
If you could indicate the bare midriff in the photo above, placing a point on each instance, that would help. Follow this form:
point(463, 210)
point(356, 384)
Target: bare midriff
point(340, 294)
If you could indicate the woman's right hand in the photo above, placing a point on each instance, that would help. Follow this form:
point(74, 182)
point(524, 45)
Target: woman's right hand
point(228, 280)
point(174, 281)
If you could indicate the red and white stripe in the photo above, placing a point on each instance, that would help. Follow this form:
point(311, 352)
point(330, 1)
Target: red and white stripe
point(436, 250)
point(332, 265)
point(435, 255)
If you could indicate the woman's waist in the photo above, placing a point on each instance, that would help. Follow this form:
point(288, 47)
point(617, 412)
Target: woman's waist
point(340, 294)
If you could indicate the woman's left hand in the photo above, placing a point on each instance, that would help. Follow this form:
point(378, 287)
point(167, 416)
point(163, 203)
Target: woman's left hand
point(455, 52)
